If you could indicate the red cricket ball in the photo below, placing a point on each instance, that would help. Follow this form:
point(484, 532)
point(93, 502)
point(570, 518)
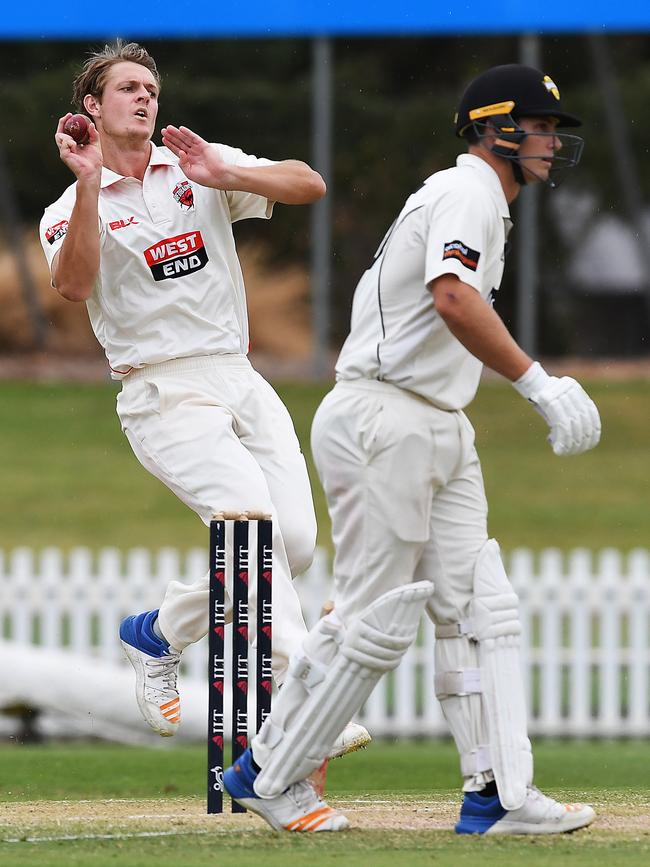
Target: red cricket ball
point(77, 127)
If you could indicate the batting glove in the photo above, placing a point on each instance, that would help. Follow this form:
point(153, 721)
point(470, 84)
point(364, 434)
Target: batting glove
point(565, 406)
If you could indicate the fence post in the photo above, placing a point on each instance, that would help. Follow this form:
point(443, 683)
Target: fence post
point(639, 641)
point(21, 580)
point(609, 581)
point(83, 601)
point(580, 582)
point(551, 575)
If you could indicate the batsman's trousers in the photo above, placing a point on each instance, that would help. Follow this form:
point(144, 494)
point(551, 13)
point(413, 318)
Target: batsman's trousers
point(405, 494)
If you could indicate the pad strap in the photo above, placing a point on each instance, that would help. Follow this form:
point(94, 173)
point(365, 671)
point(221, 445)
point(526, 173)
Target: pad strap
point(464, 682)
point(454, 630)
point(476, 761)
point(308, 671)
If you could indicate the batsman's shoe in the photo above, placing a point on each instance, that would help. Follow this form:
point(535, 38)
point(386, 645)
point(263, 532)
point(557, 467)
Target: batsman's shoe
point(156, 672)
point(353, 737)
point(538, 815)
point(298, 808)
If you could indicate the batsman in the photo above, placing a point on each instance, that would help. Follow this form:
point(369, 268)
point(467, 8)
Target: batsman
point(396, 456)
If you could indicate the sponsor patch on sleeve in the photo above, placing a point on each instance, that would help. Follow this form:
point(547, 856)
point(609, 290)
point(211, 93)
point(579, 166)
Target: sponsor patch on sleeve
point(465, 255)
point(56, 232)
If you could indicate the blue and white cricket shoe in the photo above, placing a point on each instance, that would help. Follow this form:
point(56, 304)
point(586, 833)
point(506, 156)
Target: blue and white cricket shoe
point(156, 672)
point(298, 808)
point(538, 815)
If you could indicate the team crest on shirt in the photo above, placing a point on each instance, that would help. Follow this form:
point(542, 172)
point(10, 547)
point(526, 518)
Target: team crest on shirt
point(465, 255)
point(56, 232)
point(184, 195)
point(176, 257)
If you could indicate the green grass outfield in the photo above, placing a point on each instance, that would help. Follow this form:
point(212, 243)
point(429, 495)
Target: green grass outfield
point(69, 477)
point(104, 805)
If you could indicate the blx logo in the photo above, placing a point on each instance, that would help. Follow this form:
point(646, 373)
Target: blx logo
point(122, 224)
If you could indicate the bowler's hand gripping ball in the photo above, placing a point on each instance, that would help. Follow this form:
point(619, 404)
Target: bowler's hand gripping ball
point(77, 128)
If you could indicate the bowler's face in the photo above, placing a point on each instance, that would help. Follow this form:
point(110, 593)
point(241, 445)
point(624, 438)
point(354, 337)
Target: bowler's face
point(129, 104)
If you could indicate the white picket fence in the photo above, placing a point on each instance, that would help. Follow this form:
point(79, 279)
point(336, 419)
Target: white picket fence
point(585, 618)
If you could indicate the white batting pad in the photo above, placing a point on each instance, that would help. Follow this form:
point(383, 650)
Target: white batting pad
point(496, 627)
point(478, 681)
point(328, 683)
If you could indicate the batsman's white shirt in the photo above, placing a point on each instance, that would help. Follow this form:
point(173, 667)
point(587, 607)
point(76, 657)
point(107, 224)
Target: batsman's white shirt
point(457, 223)
point(393, 449)
point(170, 283)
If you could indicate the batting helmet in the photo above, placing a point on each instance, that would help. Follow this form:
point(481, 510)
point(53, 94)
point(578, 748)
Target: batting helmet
point(495, 101)
point(512, 90)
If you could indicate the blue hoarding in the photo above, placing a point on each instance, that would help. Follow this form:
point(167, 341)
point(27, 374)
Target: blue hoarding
point(266, 18)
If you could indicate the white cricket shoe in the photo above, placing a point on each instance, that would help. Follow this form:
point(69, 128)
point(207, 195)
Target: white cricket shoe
point(538, 815)
point(353, 737)
point(156, 673)
point(298, 808)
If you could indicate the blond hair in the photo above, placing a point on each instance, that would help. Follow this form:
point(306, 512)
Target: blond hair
point(92, 77)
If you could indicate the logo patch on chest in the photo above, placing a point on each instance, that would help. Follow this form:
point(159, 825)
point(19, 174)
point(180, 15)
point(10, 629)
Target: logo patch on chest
point(184, 195)
point(177, 256)
point(465, 255)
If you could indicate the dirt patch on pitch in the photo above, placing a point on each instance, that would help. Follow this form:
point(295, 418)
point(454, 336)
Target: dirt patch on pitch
point(49, 820)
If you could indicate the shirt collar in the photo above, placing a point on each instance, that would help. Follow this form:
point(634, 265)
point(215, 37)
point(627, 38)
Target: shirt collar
point(159, 157)
point(490, 177)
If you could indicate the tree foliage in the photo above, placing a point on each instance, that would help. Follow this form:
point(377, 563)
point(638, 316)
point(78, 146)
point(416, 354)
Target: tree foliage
point(394, 101)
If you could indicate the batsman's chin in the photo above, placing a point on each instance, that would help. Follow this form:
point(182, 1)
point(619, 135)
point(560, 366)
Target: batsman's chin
point(537, 171)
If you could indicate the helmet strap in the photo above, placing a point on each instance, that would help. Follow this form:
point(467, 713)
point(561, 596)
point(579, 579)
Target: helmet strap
point(518, 172)
point(509, 135)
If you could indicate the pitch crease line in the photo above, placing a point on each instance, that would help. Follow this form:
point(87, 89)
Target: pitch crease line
point(74, 837)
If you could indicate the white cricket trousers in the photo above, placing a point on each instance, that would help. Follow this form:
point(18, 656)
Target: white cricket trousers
point(216, 433)
point(405, 494)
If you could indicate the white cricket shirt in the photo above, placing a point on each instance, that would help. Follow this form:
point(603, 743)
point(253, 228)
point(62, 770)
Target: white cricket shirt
point(170, 283)
point(457, 223)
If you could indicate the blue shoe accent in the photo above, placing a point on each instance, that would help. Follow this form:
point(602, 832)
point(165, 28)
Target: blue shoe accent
point(239, 778)
point(478, 814)
point(137, 630)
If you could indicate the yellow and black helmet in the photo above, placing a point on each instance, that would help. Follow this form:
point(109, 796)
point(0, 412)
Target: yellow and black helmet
point(514, 91)
point(493, 104)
